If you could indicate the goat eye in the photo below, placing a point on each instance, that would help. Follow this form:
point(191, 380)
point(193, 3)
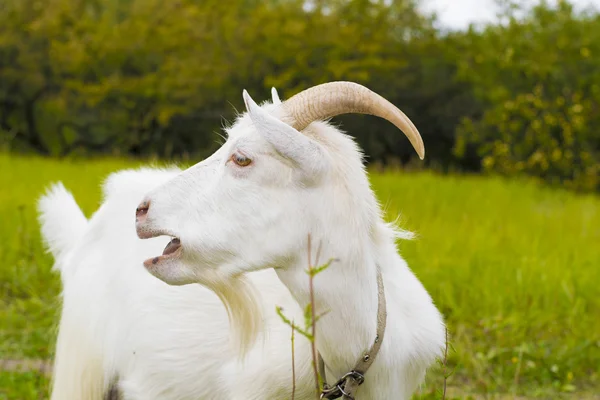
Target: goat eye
point(240, 160)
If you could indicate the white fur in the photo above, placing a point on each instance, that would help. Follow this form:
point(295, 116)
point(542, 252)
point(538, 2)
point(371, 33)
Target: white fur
point(60, 226)
point(167, 338)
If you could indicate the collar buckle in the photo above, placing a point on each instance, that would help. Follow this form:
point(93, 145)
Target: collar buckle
point(337, 390)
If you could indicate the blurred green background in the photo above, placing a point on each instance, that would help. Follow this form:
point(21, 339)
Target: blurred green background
point(505, 204)
point(140, 77)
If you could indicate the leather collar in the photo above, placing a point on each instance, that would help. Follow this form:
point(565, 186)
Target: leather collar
point(348, 384)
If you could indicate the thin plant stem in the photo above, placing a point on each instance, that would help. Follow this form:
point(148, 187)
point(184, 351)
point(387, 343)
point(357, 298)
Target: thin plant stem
point(313, 322)
point(518, 371)
point(444, 364)
point(293, 365)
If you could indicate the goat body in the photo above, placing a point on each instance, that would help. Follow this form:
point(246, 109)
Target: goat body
point(120, 325)
point(171, 338)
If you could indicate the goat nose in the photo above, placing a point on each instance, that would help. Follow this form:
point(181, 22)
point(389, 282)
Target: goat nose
point(141, 211)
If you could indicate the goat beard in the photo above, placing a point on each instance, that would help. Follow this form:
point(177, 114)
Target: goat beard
point(241, 301)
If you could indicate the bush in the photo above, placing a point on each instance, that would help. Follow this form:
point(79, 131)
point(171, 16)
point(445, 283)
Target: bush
point(550, 138)
point(540, 80)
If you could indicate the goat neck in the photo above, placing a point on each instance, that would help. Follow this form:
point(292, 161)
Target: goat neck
point(346, 293)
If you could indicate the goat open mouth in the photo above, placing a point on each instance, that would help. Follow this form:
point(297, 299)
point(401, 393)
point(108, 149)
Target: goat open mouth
point(172, 250)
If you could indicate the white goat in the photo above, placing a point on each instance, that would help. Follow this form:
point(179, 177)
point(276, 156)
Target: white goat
point(240, 221)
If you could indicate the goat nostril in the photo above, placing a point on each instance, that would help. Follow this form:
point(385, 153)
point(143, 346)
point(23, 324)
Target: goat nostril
point(142, 210)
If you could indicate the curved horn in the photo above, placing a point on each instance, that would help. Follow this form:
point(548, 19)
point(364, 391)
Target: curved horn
point(336, 98)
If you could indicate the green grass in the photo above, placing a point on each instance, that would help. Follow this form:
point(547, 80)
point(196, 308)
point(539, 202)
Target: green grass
point(513, 266)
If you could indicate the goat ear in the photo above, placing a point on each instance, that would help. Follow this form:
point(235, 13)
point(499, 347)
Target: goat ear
point(307, 155)
point(275, 96)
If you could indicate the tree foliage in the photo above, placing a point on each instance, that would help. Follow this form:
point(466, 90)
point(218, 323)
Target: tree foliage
point(539, 79)
point(143, 77)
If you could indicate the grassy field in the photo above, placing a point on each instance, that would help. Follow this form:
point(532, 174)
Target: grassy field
point(514, 267)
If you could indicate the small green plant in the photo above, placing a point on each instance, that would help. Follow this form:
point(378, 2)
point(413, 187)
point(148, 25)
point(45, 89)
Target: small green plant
point(444, 364)
point(310, 319)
